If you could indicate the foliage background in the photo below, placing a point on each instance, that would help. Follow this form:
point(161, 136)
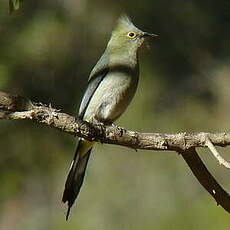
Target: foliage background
point(47, 50)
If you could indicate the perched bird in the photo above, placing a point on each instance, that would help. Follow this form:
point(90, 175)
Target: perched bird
point(111, 87)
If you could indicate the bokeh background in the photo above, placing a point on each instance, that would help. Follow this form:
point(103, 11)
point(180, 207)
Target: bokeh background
point(47, 50)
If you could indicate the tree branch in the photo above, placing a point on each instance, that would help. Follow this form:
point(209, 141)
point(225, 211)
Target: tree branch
point(20, 108)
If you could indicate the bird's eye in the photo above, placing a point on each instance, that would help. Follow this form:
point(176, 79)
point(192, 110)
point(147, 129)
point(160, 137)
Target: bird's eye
point(131, 34)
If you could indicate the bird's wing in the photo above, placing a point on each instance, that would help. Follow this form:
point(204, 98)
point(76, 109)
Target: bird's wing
point(93, 83)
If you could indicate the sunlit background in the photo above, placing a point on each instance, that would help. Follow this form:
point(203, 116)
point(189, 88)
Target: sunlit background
point(47, 50)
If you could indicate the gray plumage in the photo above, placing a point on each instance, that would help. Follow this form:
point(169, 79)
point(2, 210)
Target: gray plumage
point(111, 87)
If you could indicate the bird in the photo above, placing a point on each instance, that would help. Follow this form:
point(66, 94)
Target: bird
point(111, 86)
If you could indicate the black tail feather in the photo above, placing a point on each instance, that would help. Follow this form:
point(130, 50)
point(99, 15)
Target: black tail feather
point(75, 178)
point(68, 212)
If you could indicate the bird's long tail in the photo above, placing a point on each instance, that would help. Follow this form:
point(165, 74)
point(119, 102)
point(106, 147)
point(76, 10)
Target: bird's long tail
point(76, 174)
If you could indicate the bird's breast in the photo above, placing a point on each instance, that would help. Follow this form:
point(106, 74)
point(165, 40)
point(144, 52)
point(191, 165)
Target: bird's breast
point(112, 96)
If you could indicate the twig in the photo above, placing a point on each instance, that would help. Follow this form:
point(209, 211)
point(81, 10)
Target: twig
point(220, 159)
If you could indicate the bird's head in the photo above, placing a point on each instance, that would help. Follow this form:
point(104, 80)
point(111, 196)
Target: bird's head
point(127, 36)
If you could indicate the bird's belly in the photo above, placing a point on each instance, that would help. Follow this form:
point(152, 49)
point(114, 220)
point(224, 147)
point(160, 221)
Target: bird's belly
point(112, 97)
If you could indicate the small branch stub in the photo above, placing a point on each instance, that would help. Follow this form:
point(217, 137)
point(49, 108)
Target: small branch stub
point(215, 153)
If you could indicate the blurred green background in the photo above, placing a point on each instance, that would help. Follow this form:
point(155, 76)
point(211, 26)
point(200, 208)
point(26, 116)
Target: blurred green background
point(47, 50)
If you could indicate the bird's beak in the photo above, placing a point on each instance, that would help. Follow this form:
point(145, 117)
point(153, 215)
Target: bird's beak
point(145, 34)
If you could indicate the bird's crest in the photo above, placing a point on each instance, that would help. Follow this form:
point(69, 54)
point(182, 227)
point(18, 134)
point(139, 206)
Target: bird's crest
point(123, 23)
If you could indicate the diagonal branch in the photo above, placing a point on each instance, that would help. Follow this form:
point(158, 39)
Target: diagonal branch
point(206, 179)
point(20, 108)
